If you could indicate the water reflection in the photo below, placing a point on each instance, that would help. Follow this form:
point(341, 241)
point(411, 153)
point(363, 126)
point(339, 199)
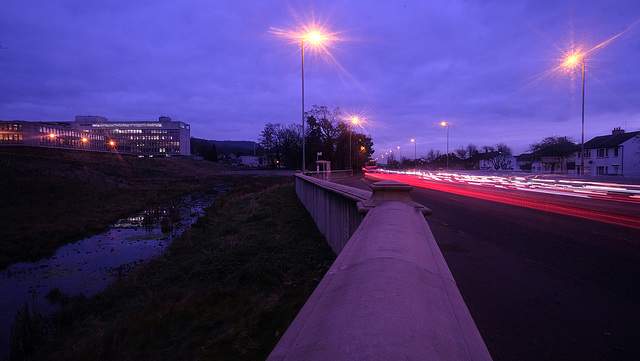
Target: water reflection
point(90, 265)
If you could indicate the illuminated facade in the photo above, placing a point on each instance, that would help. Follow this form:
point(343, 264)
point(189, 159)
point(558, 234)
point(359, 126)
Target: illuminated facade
point(145, 138)
point(614, 154)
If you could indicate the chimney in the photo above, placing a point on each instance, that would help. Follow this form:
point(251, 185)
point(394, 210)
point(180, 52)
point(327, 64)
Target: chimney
point(617, 131)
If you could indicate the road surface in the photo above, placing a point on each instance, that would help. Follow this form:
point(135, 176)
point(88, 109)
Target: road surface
point(540, 285)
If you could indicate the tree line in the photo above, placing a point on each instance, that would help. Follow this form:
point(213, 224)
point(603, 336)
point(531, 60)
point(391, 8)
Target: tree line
point(328, 136)
point(500, 155)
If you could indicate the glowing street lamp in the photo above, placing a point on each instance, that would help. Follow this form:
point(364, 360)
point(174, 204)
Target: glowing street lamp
point(313, 37)
point(571, 62)
point(445, 124)
point(354, 121)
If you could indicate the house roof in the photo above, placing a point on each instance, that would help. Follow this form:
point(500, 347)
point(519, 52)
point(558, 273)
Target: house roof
point(524, 157)
point(476, 157)
point(608, 141)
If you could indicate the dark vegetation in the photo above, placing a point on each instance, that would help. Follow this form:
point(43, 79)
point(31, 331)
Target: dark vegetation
point(205, 149)
point(51, 197)
point(334, 134)
point(225, 290)
point(212, 149)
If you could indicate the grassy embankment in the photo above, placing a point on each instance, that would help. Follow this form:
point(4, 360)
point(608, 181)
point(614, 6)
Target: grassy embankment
point(51, 197)
point(225, 290)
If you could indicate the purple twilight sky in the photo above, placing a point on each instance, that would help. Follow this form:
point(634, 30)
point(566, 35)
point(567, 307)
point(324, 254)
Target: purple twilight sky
point(490, 68)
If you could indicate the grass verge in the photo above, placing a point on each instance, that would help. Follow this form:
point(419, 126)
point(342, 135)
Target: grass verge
point(225, 290)
point(52, 197)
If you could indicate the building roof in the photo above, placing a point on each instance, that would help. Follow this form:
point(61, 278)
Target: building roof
point(476, 157)
point(524, 157)
point(617, 137)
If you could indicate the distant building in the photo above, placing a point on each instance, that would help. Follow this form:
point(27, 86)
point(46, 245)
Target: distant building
point(614, 154)
point(556, 158)
point(93, 133)
point(524, 162)
point(489, 160)
point(252, 161)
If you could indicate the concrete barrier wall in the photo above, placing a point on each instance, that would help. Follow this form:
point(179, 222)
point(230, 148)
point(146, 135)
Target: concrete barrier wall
point(333, 207)
point(389, 295)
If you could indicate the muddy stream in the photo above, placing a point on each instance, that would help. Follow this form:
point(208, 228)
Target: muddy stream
point(90, 265)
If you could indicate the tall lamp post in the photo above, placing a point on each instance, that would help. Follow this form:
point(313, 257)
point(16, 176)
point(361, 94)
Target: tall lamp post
point(354, 121)
point(415, 147)
point(445, 124)
point(313, 37)
point(573, 60)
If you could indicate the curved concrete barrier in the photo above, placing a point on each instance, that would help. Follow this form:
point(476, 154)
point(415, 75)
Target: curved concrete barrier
point(333, 207)
point(388, 296)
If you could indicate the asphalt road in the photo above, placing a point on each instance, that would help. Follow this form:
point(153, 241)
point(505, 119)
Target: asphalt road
point(540, 285)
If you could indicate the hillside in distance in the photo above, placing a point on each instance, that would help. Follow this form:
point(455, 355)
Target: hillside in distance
point(202, 147)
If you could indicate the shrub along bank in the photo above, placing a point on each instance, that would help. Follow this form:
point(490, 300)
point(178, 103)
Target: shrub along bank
point(227, 289)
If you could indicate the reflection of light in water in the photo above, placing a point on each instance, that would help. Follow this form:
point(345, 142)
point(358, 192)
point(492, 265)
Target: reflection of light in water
point(130, 222)
point(90, 265)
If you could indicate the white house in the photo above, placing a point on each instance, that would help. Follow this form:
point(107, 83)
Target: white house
point(615, 154)
point(488, 161)
point(250, 161)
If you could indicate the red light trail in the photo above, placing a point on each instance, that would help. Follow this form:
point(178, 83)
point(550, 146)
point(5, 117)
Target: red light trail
point(504, 190)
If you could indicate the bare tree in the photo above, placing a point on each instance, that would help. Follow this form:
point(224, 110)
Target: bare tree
point(291, 144)
point(488, 148)
point(327, 133)
point(553, 141)
point(471, 149)
point(431, 155)
point(462, 152)
point(324, 130)
point(392, 162)
point(269, 140)
point(503, 159)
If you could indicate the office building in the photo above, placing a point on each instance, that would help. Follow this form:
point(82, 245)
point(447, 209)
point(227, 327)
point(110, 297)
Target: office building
point(164, 137)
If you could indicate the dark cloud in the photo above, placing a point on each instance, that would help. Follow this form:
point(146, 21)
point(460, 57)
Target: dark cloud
point(484, 66)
